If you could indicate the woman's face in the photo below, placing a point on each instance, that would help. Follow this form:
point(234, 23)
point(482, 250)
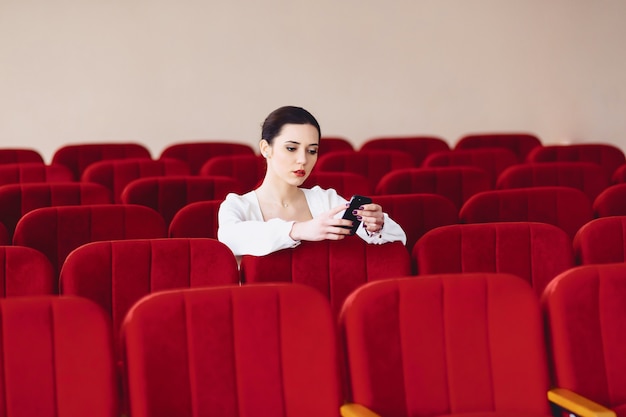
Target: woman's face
point(293, 153)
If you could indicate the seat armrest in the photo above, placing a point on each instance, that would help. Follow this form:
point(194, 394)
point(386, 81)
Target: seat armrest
point(577, 404)
point(356, 410)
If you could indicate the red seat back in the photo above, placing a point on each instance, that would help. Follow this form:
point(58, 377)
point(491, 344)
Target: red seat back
point(607, 156)
point(419, 147)
point(25, 271)
point(346, 184)
point(19, 155)
point(195, 154)
point(611, 201)
point(26, 172)
point(197, 219)
point(601, 241)
point(248, 170)
point(520, 143)
point(335, 144)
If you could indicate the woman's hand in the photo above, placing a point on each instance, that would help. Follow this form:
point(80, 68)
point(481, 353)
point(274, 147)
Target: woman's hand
point(372, 217)
point(324, 226)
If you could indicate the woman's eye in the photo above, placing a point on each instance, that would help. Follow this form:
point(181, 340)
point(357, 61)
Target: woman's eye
point(313, 151)
point(290, 148)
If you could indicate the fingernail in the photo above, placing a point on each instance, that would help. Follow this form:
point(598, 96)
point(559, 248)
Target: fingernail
point(354, 211)
point(359, 217)
point(347, 204)
point(361, 208)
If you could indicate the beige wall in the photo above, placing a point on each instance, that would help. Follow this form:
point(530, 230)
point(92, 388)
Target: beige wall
point(159, 72)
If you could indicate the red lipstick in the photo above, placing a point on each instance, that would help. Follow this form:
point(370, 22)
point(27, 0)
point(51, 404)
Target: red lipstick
point(300, 173)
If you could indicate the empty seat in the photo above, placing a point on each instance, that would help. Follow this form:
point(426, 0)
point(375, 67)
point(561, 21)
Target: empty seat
point(601, 241)
point(117, 174)
point(564, 207)
point(619, 175)
point(56, 231)
point(419, 147)
point(19, 199)
point(520, 143)
point(418, 213)
point(536, 252)
point(492, 160)
point(334, 144)
point(371, 164)
point(195, 154)
point(346, 184)
point(455, 183)
point(26, 172)
point(197, 219)
point(446, 345)
point(335, 268)
point(19, 155)
point(585, 315)
point(248, 170)
point(262, 350)
point(57, 358)
point(585, 176)
point(25, 271)
point(77, 157)
point(611, 201)
point(116, 274)
point(167, 195)
point(607, 156)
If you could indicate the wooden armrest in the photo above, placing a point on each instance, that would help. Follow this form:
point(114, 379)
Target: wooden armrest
point(577, 404)
point(356, 410)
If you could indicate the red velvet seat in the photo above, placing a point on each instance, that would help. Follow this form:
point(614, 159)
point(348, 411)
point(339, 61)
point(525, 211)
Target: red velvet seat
point(585, 317)
point(56, 231)
point(611, 201)
point(520, 143)
point(335, 268)
point(446, 345)
point(195, 154)
point(19, 199)
point(492, 160)
point(536, 252)
point(586, 176)
point(57, 358)
point(26, 172)
point(167, 195)
point(335, 144)
point(607, 156)
point(4, 235)
point(419, 147)
point(455, 183)
point(25, 271)
point(601, 241)
point(619, 175)
point(19, 155)
point(370, 164)
point(418, 213)
point(77, 157)
point(117, 174)
point(197, 219)
point(116, 274)
point(248, 170)
point(564, 207)
point(258, 350)
point(346, 184)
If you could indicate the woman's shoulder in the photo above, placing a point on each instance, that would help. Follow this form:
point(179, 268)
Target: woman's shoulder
point(233, 199)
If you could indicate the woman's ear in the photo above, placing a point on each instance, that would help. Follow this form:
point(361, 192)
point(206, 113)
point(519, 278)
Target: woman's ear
point(265, 147)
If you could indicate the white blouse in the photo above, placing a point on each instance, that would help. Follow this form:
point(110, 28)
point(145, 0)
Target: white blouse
point(243, 229)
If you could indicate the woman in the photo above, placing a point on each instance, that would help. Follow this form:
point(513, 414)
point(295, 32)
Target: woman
point(279, 214)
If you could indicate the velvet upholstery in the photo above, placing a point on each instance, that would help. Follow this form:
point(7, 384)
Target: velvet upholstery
point(195, 154)
point(4, 235)
point(492, 160)
point(588, 177)
point(19, 199)
point(418, 146)
point(335, 268)
point(446, 345)
point(197, 219)
point(418, 213)
point(619, 175)
point(56, 231)
point(372, 164)
point(536, 252)
point(169, 194)
point(335, 144)
point(606, 155)
point(455, 183)
point(564, 207)
point(601, 241)
point(256, 350)
point(117, 174)
point(77, 157)
point(346, 184)
point(19, 155)
point(25, 172)
point(520, 143)
point(611, 201)
point(57, 359)
point(248, 170)
point(25, 271)
point(116, 274)
point(586, 321)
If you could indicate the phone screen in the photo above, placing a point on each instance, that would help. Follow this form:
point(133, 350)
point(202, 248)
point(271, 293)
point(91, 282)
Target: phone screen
point(355, 202)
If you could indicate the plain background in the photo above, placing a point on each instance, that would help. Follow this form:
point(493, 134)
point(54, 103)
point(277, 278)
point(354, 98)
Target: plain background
point(160, 72)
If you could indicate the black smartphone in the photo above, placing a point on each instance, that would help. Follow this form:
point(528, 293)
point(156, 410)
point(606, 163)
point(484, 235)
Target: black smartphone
point(355, 202)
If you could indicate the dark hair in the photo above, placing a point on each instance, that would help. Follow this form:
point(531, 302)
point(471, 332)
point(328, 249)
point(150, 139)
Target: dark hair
point(275, 121)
